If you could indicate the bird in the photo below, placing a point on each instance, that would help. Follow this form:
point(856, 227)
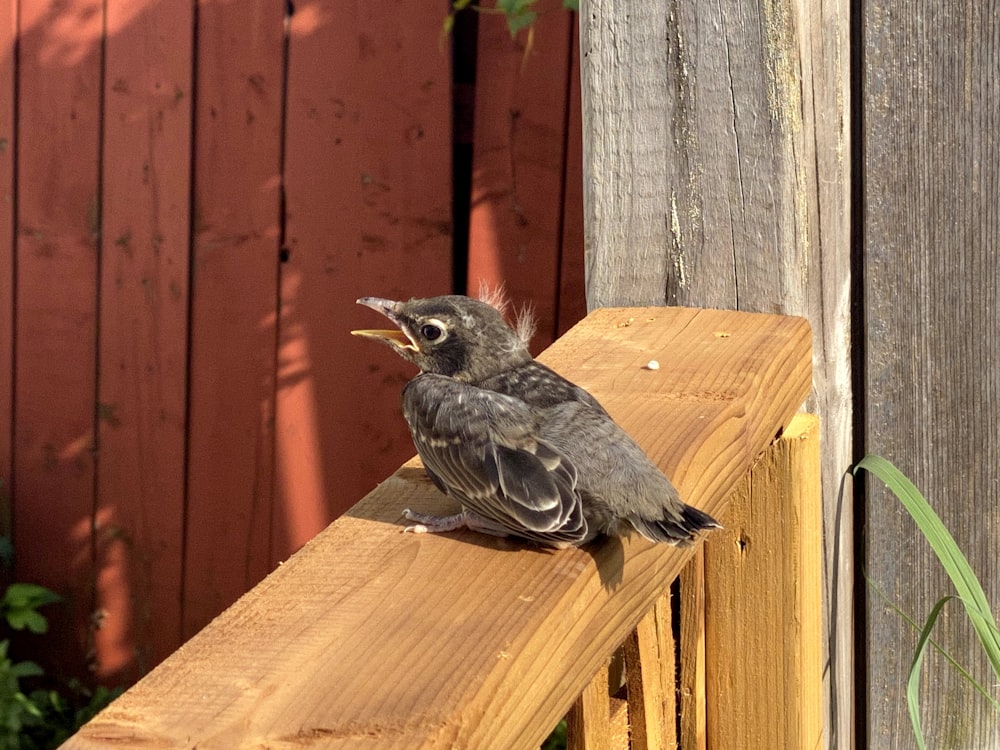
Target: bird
point(525, 452)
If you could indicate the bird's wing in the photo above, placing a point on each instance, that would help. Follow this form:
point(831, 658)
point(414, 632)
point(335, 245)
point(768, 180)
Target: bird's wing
point(483, 448)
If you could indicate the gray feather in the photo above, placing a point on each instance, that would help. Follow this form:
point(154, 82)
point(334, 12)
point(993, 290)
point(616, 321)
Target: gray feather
point(482, 447)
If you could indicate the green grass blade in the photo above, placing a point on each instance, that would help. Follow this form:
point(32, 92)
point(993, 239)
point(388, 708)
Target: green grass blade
point(952, 559)
point(956, 665)
point(913, 682)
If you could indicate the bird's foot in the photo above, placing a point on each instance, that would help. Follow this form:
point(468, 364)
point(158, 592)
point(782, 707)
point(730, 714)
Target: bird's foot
point(428, 524)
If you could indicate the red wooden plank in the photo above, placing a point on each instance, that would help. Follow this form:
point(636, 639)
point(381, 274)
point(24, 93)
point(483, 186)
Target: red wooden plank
point(8, 32)
point(369, 212)
point(517, 185)
point(59, 75)
point(143, 334)
point(572, 273)
point(234, 300)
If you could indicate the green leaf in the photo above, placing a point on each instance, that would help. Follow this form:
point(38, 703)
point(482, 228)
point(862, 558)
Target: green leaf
point(519, 14)
point(26, 669)
point(970, 591)
point(571, 4)
point(913, 682)
point(27, 704)
point(514, 7)
point(27, 619)
point(20, 605)
point(461, 4)
point(977, 686)
point(521, 21)
point(29, 595)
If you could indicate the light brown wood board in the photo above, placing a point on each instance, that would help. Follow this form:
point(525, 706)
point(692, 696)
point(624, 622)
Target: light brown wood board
point(369, 637)
point(763, 589)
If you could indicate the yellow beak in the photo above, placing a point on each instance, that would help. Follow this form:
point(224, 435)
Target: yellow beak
point(393, 336)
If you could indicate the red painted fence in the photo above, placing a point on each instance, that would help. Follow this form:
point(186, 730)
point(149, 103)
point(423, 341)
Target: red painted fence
point(193, 196)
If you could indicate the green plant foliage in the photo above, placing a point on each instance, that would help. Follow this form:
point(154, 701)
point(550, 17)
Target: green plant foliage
point(16, 709)
point(34, 715)
point(20, 605)
point(956, 565)
point(519, 14)
point(981, 689)
point(60, 715)
point(913, 682)
point(557, 739)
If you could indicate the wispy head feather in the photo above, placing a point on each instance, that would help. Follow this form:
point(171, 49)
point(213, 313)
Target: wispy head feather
point(494, 296)
point(525, 321)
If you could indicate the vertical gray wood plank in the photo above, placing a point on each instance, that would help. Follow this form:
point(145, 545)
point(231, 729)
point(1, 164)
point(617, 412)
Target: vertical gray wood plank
point(716, 174)
point(931, 132)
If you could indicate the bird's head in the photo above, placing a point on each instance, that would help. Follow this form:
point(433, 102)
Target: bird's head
point(452, 335)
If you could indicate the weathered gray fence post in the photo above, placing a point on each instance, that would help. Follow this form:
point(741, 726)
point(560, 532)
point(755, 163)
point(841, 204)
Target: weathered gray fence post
point(717, 174)
point(931, 232)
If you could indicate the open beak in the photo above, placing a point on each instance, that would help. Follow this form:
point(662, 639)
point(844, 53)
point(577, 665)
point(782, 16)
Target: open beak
point(396, 337)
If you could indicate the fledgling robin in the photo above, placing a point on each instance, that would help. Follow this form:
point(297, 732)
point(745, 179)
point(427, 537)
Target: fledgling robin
point(523, 450)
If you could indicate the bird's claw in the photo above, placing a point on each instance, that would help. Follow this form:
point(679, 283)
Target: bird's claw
point(417, 528)
point(428, 524)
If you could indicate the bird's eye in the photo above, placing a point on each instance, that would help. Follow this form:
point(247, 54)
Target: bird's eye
point(431, 332)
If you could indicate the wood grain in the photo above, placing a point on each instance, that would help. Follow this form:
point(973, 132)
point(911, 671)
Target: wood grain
point(572, 302)
point(931, 221)
point(763, 580)
point(8, 33)
point(693, 724)
point(515, 222)
point(651, 679)
point(234, 304)
point(55, 337)
point(462, 640)
point(368, 212)
point(588, 723)
point(717, 174)
point(143, 343)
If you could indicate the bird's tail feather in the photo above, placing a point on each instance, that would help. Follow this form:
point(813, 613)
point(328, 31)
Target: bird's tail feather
point(677, 531)
point(698, 520)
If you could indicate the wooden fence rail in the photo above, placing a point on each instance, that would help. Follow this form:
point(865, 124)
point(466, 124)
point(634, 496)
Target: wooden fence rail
point(368, 637)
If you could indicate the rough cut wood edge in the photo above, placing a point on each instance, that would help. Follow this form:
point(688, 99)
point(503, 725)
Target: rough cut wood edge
point(651, 676)
point(764, 587)
point(693, 703)
point(372, 637)
point(589, 720)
